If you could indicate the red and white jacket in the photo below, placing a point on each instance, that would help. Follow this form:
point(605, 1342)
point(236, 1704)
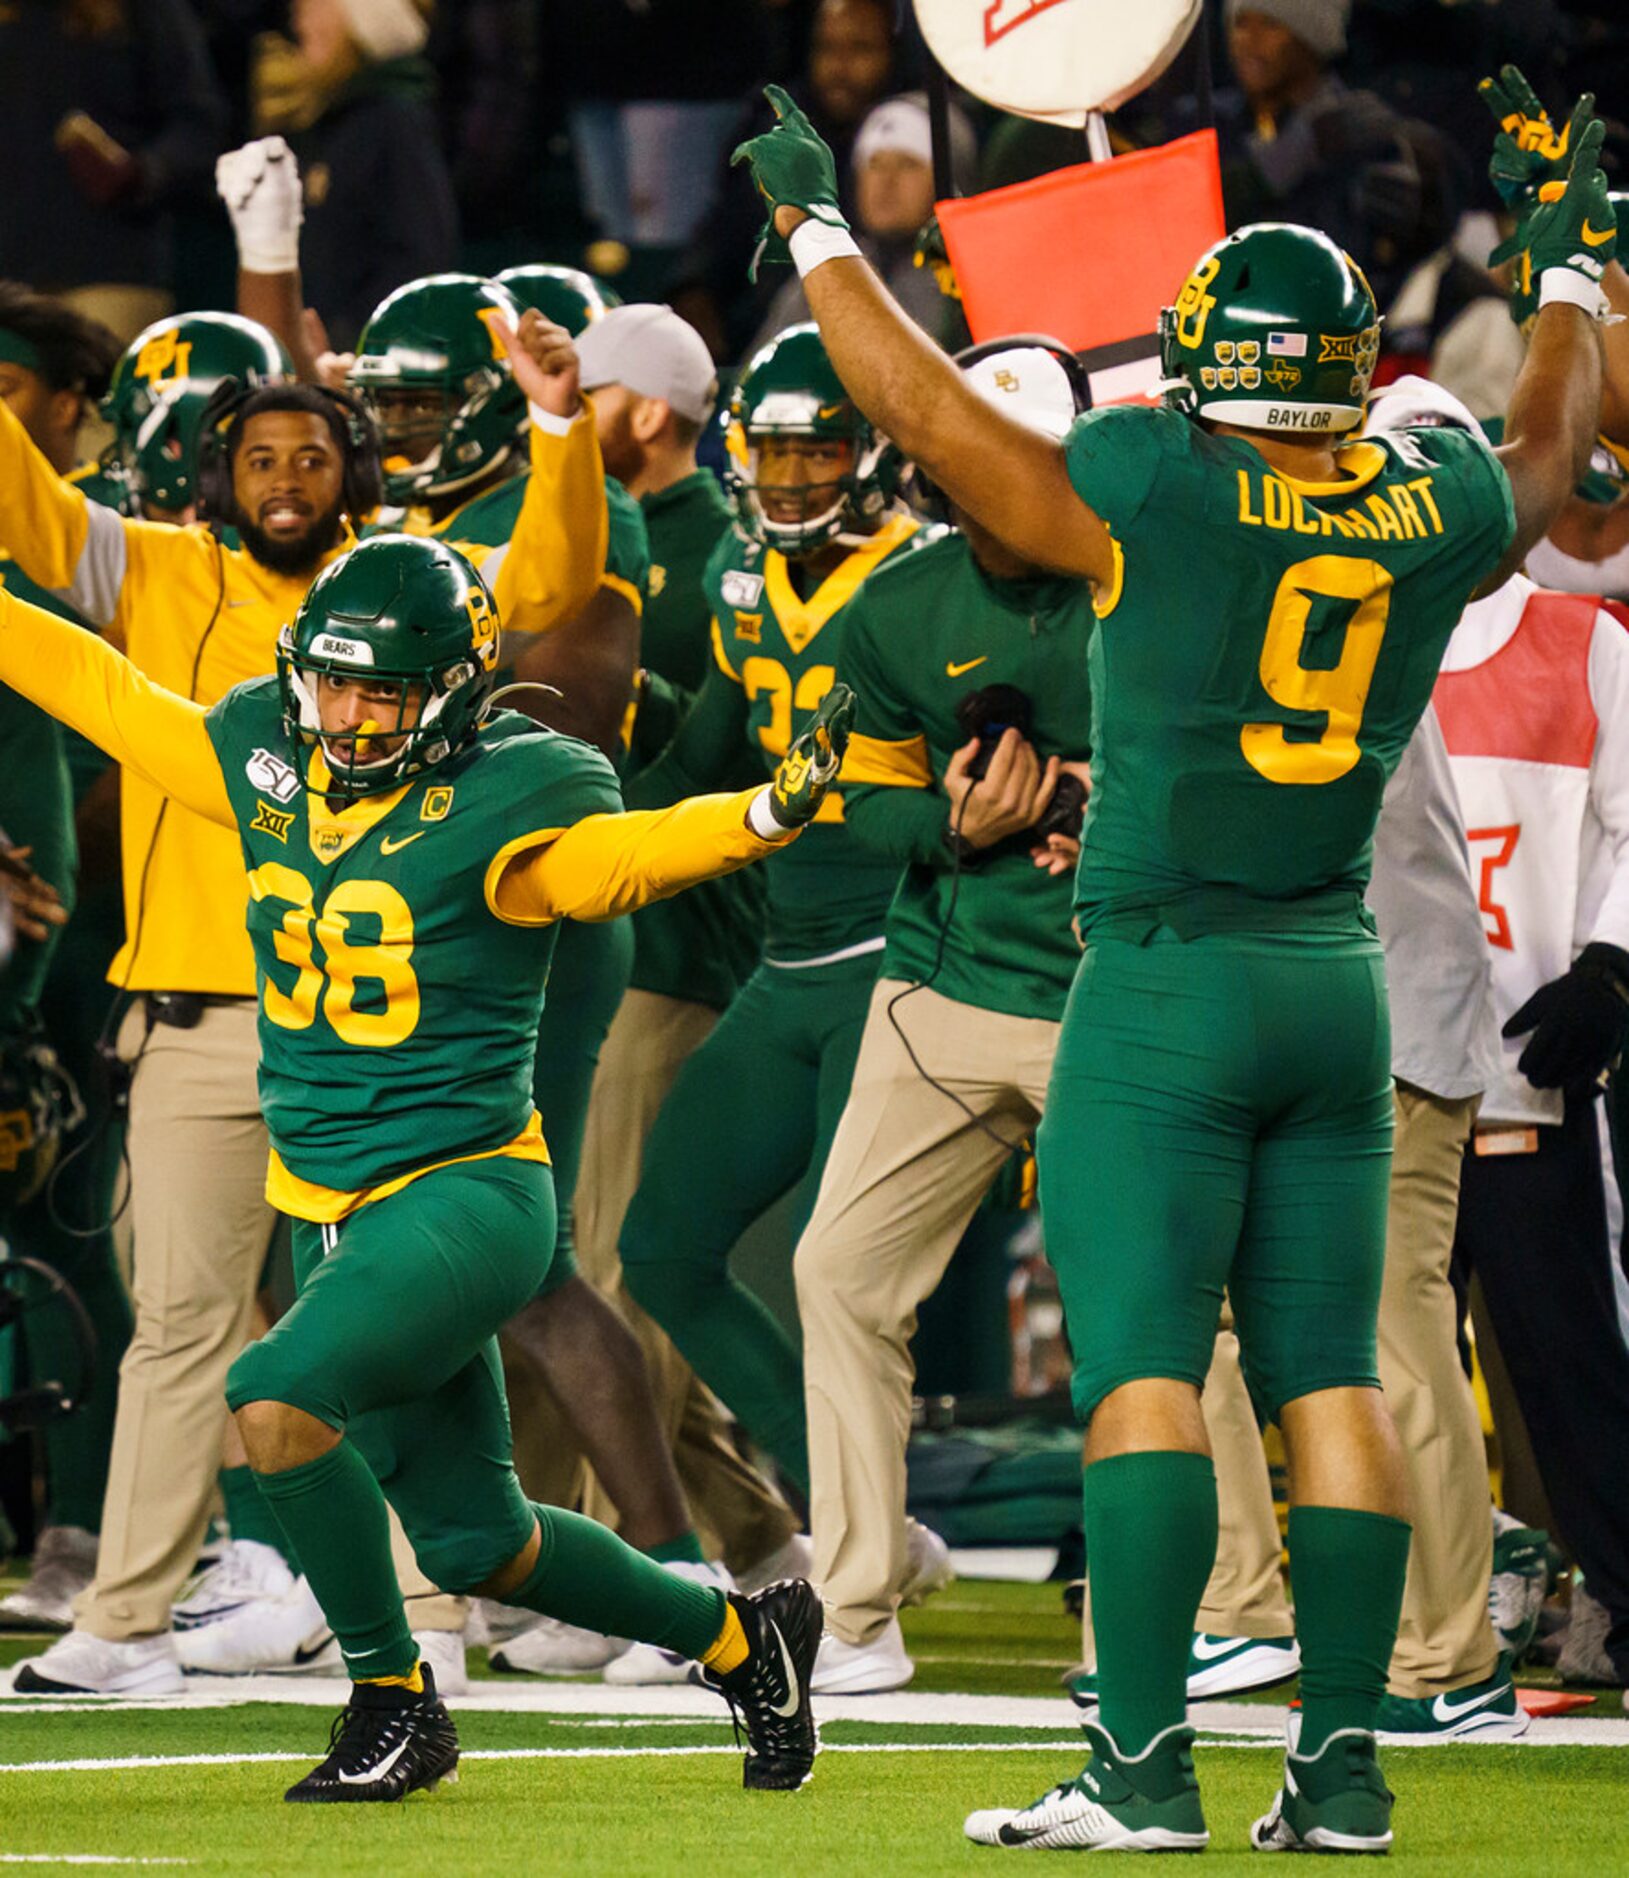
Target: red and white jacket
point(1533, 699)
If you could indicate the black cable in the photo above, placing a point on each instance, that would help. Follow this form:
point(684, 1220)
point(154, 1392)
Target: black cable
point(105, 1047)
point(1011, 1147)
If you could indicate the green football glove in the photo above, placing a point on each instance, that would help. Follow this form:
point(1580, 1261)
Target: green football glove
point(810, 766)
point(1573, 224)
point(792, 168)
point(1528, 152)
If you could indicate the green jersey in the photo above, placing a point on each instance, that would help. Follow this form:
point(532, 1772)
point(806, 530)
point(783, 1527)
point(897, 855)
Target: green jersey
point(920, 635)
point(774, 657)
point(702, 944)
point(1262, 658)
point(399, 1015)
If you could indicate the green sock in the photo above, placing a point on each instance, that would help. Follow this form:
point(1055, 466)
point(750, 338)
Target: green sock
point(586, 1575)
point(248, 1515)
point(685, 1550)
point(333, 1514)
point(1347, 1569)
point(1150, 1543)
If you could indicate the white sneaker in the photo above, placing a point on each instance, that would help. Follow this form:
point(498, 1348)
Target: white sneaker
point(927, 1564)
point(273, 1633)
point(246, 1572)
point(552, 1648)
point(85, 1665)
point(644, 1662)
point(491, 1622)
point(862, 1668)
point(795, 1559)
point(64, 1564)
point(443, 1650)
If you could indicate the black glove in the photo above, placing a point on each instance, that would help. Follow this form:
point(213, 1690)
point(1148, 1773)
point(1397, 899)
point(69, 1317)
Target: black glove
point(1577, 1020)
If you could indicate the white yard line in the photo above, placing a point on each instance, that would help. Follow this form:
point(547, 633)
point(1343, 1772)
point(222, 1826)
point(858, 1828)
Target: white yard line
point(81, 1858)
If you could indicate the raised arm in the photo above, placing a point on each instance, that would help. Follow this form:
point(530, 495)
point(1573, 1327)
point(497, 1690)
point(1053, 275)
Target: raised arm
point(71, 674)
point(1564, 246)
point(1007, 477)
point(608, 865)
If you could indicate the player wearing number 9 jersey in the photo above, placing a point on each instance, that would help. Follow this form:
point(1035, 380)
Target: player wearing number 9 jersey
point(1272, 604)
point(409, 859)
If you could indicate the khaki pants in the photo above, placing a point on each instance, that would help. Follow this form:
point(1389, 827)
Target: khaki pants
point(738, 1516)
point(906, 1171)
point(1445, 1640)
point(201, 1227)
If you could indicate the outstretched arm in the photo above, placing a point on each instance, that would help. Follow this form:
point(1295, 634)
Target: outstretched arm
point(607, 865)
point(1004, 475)
point(91, 688)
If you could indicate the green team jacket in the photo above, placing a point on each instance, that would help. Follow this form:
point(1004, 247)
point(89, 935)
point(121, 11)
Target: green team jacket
point(923, 633)
point(1261, 660)
point(774, 658)
point(399, 1015)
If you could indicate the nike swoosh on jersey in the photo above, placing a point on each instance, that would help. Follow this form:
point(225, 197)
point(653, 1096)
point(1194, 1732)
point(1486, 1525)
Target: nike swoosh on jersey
point(379, 1772)
point(787, 1709)
point(953, 670)
point(1444, 1710)
point(389, 845)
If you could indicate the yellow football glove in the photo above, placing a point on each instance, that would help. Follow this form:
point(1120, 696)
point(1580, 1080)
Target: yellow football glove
point(810, 766)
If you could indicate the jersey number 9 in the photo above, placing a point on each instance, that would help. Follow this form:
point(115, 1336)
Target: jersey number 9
point(1339, 693)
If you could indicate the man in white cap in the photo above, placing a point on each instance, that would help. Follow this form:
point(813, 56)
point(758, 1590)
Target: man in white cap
point(967, 767)
point(653, 384)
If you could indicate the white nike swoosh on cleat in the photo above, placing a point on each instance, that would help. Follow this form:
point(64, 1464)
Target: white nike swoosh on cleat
point(379, 1772)
point(787, 1709)
point(1209, 1649)
point(1445, 1711)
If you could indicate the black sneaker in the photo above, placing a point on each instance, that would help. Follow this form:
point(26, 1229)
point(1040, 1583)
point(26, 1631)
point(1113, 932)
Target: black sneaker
point(769, 1694)
point(386, 1743)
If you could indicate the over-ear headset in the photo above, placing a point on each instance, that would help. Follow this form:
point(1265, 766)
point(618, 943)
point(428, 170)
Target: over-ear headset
point(363, 488)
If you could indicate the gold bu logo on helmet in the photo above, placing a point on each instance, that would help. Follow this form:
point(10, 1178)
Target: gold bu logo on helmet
point(483, 625)
point(1193, 304)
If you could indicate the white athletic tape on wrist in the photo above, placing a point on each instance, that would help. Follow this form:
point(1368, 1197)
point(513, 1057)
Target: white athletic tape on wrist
point(761, 818)
point(813, 242)
point(1575, 289)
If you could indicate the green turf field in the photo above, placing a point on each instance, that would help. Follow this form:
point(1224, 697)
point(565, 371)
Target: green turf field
point(640, 1793)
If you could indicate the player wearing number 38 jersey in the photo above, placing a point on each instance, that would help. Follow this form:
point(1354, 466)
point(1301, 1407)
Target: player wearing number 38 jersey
point(1273, 601)
point(409, 856)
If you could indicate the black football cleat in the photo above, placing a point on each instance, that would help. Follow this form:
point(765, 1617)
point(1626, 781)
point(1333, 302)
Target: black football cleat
point(769, 1693)
point(386, 1743)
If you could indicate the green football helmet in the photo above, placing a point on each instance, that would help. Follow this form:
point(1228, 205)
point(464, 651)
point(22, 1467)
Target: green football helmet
point(1275, 329)
point(413, 615)
point(435, 375)
point(166, 376)
point(566, 295)
point(789, 389)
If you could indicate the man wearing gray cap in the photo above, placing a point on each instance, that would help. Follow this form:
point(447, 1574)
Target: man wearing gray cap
point(653, 385)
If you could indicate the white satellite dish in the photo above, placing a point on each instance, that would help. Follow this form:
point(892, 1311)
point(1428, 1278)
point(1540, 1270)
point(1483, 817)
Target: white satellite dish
point(1056, 60)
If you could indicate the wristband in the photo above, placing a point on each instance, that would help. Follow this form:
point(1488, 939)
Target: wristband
point(814, 241)
point(1567, 285)
point(761, 819)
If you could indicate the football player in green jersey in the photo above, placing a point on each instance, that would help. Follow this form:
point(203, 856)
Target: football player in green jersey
point(55, 364)
point(156, 402)
point(813, 485)
point(402, 929)
point(1273, 602)
point(567, 295)
point(430, 366)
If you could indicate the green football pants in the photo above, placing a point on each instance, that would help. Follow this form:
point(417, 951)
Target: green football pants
point(751, 1115)
point(1220, 1116)
point(587, 978)
point(393, 1337)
